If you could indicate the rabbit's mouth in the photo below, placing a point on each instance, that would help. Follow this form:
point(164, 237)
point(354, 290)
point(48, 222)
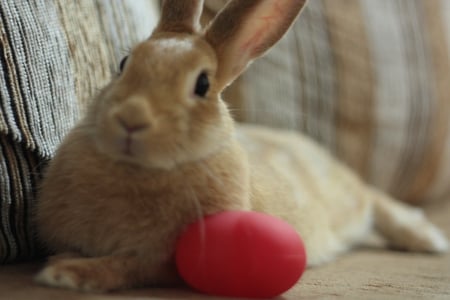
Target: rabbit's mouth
point(138, 150)
point(127, 146)
point(158, 152)
point(144, 149)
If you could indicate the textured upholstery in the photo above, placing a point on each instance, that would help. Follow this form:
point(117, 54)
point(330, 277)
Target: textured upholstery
point(54, 56)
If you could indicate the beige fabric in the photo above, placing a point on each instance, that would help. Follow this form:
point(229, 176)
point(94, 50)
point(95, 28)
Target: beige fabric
point(366, 273)
point(369, 80)
point(100, 33)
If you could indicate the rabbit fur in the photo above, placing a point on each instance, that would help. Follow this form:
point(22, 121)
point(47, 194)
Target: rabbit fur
point(156, 152)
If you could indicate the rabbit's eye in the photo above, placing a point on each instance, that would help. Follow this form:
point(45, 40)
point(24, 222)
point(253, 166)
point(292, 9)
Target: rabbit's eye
point(122, 63)
point(202, 85)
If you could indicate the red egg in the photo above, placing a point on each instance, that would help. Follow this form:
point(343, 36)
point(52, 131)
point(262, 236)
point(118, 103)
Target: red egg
point(241, 254)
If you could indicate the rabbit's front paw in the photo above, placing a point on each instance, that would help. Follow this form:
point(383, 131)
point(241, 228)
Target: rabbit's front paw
point(70, 275)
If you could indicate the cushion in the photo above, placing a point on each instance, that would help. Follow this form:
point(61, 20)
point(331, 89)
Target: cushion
point(370, 81)
point(54, 56)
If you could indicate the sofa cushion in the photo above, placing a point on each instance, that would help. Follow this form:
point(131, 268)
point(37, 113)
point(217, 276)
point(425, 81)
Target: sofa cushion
point(54, 56)
point(370, 81)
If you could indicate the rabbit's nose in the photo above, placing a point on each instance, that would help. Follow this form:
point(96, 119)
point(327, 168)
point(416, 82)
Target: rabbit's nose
point(133, 116)
point(131, 128)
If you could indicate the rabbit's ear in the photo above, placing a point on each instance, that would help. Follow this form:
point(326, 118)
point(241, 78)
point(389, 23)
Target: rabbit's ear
point(245, 29)
point(180, 16)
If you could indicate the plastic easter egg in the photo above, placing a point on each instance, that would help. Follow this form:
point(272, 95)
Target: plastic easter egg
point(241, 254)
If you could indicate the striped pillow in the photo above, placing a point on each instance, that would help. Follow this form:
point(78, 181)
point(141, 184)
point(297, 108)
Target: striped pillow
point(54, 55)
point(370, 79)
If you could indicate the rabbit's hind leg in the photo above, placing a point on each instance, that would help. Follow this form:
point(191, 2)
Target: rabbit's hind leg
point(337, 234)
point(406, 227)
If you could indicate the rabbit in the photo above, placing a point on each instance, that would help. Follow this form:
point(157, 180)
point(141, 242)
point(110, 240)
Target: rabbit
point(158, 149)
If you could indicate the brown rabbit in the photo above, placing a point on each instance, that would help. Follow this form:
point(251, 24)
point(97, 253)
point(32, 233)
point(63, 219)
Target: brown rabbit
point(158, 149)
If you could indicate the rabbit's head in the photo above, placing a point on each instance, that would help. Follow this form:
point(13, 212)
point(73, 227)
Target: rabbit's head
point(164, 108)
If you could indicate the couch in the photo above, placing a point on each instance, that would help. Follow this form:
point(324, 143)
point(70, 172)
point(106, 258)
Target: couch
point(367, 79)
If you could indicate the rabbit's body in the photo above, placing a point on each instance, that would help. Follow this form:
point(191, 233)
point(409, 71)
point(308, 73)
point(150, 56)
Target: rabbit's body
point(158, 150)
point(288, 176)
point(298, 181)
point(130, 210)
